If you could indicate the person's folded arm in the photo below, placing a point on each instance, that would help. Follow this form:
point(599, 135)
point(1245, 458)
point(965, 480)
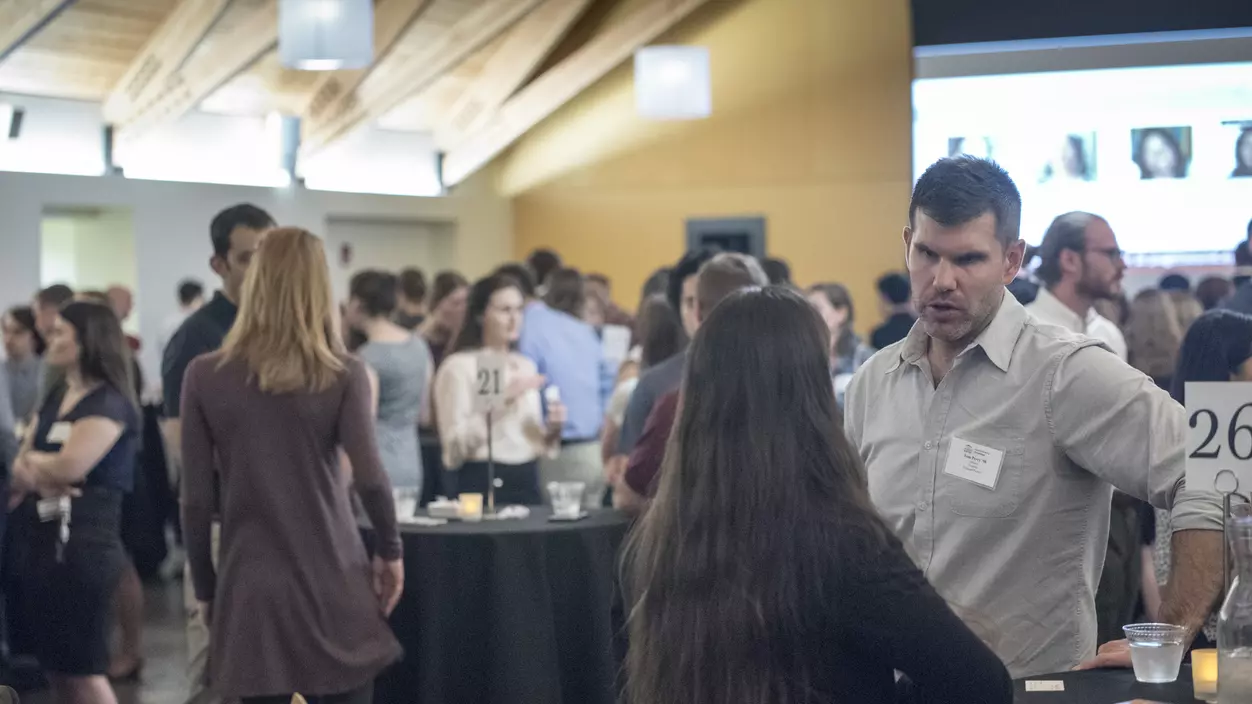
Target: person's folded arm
point(90, 439)
point(892, 614)
point(1113, 421)
point(199, 493)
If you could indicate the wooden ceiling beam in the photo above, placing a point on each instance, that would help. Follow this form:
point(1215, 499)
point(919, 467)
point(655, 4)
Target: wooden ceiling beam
point(392, 18)
point(22, 19)
point(163, 54)
point(211, 64)
point(576, 73)
point(524, 47)
point(405, 71)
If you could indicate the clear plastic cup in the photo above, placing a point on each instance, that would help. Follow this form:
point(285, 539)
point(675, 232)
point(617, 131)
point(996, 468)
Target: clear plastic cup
point(567, 498)
point(1156, 651)
point(406, 501)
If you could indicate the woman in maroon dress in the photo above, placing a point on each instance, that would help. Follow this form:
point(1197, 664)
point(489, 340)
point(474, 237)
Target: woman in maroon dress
point(293, 603)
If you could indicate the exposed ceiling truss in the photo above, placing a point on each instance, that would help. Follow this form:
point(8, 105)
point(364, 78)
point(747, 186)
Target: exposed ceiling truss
point(476, 74)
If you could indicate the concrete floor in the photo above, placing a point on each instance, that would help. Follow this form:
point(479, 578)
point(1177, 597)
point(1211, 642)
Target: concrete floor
point(164, 652)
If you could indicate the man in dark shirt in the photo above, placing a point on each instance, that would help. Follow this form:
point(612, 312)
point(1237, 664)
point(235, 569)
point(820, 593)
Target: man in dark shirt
point(718, 278)
point(893, 290)
point(1241, 301)
point(235, 233)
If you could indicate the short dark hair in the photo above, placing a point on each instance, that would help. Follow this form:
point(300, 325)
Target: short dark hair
point(895, 288)
point(413, 284)
point(778, 271)
point(956, 190)
point(1215, 346)
point(521, 275)
point(189, 290)
point(657, 283)
point(565, 292)
point(55, 296)
point(723, 275)
point(376, 290)
point(242, 215)
point(686, 268)
point(1067, 232)
point(543, 262)
point(599, 279)
point(1175, 282)
point(1212, 290)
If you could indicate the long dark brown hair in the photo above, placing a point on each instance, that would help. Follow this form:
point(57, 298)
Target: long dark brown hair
point(471, 335)
point(729, 570)
point(103, 353)
point(659, 331)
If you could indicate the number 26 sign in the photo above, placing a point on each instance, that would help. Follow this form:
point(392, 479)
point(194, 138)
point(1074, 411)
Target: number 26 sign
point(1219, 437)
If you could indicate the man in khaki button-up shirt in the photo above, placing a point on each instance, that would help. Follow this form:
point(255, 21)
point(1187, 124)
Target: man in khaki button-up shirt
point(991, 440)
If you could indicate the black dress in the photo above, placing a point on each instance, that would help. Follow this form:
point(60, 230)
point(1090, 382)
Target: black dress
point(72, 592)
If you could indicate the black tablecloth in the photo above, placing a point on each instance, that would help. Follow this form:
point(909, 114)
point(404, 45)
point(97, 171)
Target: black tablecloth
point(508, 612)
point(1107, 687)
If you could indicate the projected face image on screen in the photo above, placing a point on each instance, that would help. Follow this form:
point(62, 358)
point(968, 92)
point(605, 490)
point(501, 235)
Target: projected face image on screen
point(1071, 158)
point(1243, 154)
point(1162, 152)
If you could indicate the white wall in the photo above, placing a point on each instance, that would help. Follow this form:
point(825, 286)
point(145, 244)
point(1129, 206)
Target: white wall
point(171, 226)
point(390, 245)
point(91, 249)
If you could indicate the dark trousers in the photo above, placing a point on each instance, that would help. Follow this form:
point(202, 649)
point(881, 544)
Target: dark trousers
point(517, 483)
point(1121, 582)
point(364, 695)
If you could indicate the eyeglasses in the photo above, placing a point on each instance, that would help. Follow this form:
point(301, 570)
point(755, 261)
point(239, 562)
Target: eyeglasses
point(1113, 253)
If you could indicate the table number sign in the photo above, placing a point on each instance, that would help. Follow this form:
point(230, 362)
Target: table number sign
point(489, 381)
point(1219, 437)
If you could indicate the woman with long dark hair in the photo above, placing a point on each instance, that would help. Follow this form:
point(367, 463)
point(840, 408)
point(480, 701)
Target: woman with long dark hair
point(519, 434)
point(761, 573)
point(834, 304)
point(74, 469)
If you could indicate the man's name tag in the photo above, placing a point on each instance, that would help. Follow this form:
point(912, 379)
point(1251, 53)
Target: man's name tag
point(59, 433)
point(489, 381)
point(1219, 437)
point(1045, 686)
point(974, 463)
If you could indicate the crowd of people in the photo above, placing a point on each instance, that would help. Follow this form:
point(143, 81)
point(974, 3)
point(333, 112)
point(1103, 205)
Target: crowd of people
point(816, 511)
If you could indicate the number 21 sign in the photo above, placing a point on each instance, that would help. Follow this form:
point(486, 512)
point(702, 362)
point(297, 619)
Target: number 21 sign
point(1219, 437)
point(489, 381)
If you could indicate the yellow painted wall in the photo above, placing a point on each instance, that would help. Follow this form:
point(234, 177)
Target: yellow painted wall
point(811, 128)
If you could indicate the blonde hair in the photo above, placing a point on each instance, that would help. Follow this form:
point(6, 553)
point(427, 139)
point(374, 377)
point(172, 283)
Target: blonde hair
point(287, 329)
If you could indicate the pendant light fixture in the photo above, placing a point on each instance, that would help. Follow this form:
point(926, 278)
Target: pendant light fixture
point(673, 83)
point(326, 35)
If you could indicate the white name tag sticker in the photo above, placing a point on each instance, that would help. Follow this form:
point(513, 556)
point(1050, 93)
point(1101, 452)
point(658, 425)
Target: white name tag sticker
point(59, 433)
point(974, 463)
point(1045, 686)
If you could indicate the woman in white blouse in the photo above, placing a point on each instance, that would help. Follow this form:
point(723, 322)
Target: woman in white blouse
point(519, 433)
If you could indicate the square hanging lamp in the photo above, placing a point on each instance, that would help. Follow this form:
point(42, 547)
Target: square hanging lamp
point(326, 35)
point(673, 83)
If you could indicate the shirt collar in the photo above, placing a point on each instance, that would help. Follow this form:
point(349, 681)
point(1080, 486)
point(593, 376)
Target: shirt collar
point(1053, 308)
point(997, 340)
